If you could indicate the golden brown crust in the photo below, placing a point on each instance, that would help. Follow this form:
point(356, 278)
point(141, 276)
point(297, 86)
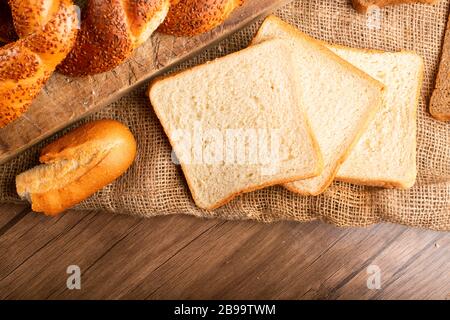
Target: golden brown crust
point(110, 31)
point(440, 99)
point(440, 117)
point(388, 184)
point(254, 188)
point(192, 17)
point(363, 6)
point(26, 65)
point(120, 153)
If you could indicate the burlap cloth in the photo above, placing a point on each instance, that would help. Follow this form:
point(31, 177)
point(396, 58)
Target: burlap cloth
point(155, 186)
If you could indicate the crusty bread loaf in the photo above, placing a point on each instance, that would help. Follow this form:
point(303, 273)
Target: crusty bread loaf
point(77, 165)
point(251, 96)
point(440, 100)
point(365, 5)
point(386, 153)
point(340, 100)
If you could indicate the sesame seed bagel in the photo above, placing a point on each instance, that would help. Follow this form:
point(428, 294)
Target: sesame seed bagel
point(110, 31)
point(27, 64)
point(192, 17)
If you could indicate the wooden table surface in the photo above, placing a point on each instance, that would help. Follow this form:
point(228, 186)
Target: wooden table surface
point(172, 257)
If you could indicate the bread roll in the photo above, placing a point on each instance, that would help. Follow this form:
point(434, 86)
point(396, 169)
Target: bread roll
point(77, 165)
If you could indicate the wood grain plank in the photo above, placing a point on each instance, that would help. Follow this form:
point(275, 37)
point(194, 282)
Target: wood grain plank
point(279, 271)
point(123, 257)
point(87, 240)
point(27, 238)
point(408, 248)
point(66, 100)
point(153, 243)
point(428, 269)
point(60, 246)
point(271, 263)
point(9, 213)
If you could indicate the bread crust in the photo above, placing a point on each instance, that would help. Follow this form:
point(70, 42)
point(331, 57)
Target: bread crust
point(440, 99)
point(255, 188)
point(292, 31)
point(388, 184)
point(118, 152)
point(192, 17)
point(315, 145)
point(364, 6)
point(440, 116)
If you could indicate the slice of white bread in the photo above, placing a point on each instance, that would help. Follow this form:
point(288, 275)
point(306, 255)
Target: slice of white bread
point(386, 153)
point(340, 100)
point(233, 101)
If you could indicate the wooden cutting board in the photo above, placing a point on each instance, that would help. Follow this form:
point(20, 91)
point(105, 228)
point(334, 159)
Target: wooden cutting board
point(65, 100)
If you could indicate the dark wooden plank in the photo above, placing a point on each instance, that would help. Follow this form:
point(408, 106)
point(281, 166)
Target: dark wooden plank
point(141, 252)
point(29, 236)
point(10, 214)
point(65, 100)
point(186, 257)
point(267, 261)
point(428, 269)
point(424, 254)
point(86, 239)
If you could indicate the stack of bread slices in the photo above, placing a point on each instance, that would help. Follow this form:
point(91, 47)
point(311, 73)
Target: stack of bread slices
point(294, 111)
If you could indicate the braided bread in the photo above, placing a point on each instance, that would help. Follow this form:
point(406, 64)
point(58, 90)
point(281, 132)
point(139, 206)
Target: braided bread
point(47, 30)
point(192, 17)
point(110, 31)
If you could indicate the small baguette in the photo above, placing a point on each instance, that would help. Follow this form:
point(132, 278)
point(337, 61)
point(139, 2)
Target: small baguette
point(77, 165)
